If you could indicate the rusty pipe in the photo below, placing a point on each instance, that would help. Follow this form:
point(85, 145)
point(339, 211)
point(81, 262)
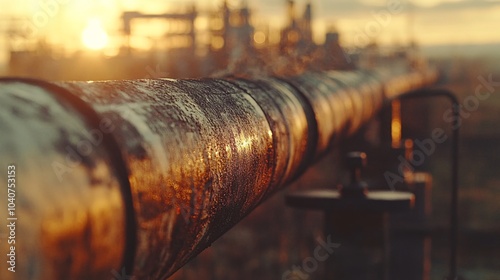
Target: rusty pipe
point(140, 176)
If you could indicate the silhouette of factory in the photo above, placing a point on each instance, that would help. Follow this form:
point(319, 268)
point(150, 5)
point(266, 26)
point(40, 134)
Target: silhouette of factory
point(234, 45)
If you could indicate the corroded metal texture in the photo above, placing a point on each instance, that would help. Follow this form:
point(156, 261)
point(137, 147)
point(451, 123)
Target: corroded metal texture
point(194, 158)
point(66, 212)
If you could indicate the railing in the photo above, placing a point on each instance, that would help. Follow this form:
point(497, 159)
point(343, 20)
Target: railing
point(140, 176)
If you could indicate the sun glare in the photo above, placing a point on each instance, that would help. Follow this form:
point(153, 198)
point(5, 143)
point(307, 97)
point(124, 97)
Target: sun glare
point(94, 36)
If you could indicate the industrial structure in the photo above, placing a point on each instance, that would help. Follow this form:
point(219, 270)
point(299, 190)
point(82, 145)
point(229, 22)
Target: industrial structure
point(140, 174)
point(145, 174)
point(230, 41)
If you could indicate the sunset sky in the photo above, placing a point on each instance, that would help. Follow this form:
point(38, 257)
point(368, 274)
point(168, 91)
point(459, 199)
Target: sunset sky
point(62, 22)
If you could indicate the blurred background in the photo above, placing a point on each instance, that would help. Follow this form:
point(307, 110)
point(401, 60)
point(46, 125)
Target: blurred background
point(127, 39)
point(115, 39)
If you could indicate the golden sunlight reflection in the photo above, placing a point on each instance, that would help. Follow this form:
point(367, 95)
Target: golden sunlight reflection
point(396, 124)
point(244, 143)
point(94, 36)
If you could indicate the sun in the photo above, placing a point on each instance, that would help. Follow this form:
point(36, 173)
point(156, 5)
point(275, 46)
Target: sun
point(94, 36)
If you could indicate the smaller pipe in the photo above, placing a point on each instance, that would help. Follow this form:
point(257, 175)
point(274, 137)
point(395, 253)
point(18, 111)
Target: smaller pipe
point(428, 93)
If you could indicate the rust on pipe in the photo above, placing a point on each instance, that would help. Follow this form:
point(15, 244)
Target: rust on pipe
point(143, 175)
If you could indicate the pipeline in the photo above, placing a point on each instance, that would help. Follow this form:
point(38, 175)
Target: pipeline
point(138, 177)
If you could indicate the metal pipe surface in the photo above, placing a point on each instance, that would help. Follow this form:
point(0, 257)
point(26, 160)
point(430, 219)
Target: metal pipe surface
point(140, 176)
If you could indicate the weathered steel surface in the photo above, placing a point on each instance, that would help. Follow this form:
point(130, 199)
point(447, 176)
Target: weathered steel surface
point(69, 213)
point(196, 156)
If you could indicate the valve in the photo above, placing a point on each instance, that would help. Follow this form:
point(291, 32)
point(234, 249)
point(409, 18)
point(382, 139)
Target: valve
point(357, 188)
